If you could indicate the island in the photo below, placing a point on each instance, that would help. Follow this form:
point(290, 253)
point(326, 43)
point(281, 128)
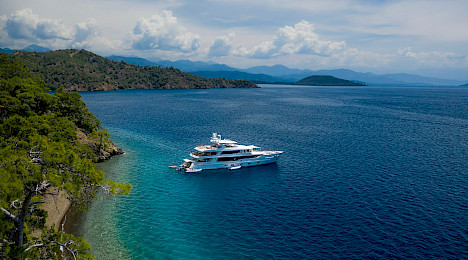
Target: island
point(320, 80)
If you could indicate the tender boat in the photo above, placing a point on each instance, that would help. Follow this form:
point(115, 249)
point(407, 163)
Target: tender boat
point(226, 154)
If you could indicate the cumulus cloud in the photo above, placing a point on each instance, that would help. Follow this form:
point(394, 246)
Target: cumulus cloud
point(25, 27)
point(298, 39)
point(85, 30)
point(163, 32)
point(24, 24)
point(225, 45)
point(222, 46)
point(288, 40)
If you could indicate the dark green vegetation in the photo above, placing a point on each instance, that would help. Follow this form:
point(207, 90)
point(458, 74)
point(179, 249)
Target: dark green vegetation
point(326, 81)
point(40, 150)
point(257, 78)
point(85, 71)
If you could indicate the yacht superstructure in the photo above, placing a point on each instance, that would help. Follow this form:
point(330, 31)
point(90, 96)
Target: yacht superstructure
point(225, 153)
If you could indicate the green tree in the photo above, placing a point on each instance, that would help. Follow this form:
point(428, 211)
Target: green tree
point(39, 149)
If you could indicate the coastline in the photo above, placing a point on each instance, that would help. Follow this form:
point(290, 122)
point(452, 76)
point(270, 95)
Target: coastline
point(57, 204)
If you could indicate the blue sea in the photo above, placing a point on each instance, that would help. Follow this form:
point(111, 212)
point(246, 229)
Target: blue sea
point(367, 173)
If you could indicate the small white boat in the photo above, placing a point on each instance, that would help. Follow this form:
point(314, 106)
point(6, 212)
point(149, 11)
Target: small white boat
point(227, 154)
point(193, 170)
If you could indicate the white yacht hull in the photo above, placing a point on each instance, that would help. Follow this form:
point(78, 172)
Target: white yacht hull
point(226, 154)
point(261, 160)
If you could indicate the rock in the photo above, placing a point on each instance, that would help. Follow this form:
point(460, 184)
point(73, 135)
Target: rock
point(103, 152)
point(106, 154)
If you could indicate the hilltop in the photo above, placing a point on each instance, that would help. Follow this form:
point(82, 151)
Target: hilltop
point(81, 70)
point(319, 80)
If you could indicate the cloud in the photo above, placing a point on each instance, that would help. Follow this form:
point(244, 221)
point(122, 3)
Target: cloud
point(24, 27)
point(99, 44)
point(298, 39)
point(433, 58)
point(24, 24)
point(225, 46)
point(162, 32)
point(85, 30)
point(87, 36)
point(222, 46)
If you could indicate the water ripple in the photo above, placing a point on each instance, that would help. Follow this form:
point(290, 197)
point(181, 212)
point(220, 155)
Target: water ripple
point(367, 173)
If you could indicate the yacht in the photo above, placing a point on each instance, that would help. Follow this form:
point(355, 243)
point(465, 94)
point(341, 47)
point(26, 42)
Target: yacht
point(226, 154)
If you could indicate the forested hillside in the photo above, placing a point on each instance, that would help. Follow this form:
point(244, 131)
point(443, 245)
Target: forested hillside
point(82, 70)
point(39, 150)
point(320, 80)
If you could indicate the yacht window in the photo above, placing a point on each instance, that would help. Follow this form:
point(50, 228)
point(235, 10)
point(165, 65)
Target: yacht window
point(229, 152)
point(224, 159)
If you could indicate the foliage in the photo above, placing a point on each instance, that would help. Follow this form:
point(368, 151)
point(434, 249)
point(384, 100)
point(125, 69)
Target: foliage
point(83, 71)
point(39, 149)
point(319, 80)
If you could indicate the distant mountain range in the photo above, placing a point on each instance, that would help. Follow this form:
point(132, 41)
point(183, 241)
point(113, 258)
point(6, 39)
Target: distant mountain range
point(283, 74)
point(30, 48)
point(276, 73)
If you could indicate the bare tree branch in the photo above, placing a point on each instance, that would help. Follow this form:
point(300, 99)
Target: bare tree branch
point(35, 202)
point(106, 188)
point(32, 207)
point(13, 217)
point(41, 187)
point(62, 245)
point(13, 204)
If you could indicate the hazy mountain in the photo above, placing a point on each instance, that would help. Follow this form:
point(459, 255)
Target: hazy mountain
point(35, 48)
point(133, 60)
point(411, 78)
point(6, 50)
point(276, 70)
point(367, 78)
point(400, 79)
point(183, 65)
point(189, 66)
point(280, 73)
point(257, 78)
point(30, 48)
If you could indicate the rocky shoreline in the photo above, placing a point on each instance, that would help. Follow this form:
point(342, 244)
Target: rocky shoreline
point(57, 204)
point(103, 152)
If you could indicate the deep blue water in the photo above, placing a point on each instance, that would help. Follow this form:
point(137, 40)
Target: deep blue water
point(374, 172)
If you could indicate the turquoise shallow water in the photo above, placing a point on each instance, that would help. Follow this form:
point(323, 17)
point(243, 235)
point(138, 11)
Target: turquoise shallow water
point(367, 173)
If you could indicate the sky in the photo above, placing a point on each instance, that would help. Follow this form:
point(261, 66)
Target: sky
point(428, 38)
